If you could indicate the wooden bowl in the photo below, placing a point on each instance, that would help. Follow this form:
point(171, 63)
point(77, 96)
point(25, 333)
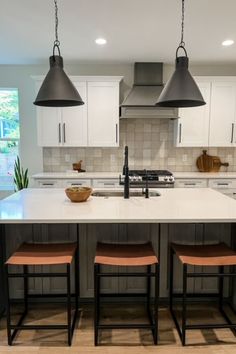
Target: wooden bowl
point(78, 194)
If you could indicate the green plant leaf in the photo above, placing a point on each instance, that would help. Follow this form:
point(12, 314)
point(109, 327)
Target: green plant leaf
point(21, 179)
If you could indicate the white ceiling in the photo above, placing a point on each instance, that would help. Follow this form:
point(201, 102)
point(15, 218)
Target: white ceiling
point(136, 30)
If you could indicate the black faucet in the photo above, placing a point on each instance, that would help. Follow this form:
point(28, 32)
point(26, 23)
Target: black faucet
point(126, 174)
point(146, 188)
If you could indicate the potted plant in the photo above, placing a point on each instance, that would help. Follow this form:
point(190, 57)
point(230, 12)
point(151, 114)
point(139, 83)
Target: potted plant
point(21, 178)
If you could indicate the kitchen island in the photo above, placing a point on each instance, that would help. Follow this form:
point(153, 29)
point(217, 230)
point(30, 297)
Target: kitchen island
point(184, 215)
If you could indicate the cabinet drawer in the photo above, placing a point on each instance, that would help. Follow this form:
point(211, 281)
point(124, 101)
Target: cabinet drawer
point(106, 183)
point(222, 183)
point(77, 183)
point(48, 183)
point(191, 183)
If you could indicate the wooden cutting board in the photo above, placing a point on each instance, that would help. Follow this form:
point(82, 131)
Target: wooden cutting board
point(204, 162)
point(208, 163)
point(217, 164)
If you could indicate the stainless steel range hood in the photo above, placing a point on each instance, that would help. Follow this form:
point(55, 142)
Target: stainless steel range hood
point(141, 100)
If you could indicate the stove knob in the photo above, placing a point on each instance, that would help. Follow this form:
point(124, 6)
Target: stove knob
point(139, 178)
point(165, 179)
point(171, 178)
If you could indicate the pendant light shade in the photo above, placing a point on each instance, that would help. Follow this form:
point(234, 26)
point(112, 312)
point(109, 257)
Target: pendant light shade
point(57, 90)
point(181, 90)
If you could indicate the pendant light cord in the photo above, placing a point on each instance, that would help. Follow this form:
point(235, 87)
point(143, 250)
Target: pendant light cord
point(182, 43)
point(56, 42)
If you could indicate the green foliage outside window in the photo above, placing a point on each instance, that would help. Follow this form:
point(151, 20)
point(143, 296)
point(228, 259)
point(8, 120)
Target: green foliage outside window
point(9, 114)
point(9, 130)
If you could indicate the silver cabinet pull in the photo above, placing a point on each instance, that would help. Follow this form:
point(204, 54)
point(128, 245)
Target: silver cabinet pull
point(47, 184)
point(190, 184)
point(232, 133)
point(116, 132)
point(64, 132)
point(76, 184)
point(109, 184)
point(59, 132)
point(180, 132)
point(222, 184)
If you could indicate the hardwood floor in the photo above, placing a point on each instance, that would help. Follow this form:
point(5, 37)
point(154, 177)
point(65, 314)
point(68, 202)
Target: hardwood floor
point(118, 341)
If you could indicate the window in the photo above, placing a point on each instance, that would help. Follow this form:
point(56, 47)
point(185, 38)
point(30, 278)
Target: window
point(9, 133)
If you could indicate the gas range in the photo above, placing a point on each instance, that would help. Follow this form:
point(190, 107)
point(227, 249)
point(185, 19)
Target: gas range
point(155, 178)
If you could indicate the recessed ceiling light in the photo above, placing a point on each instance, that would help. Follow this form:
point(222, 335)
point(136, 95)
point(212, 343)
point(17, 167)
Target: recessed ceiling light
point(100, 41)
point(228, 42)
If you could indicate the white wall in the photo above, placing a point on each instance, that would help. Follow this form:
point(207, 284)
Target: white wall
point(20, 77)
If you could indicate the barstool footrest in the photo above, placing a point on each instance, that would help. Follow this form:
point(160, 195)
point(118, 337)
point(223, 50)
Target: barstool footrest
point(211, 326)
point(126, 326)
point(133, 274)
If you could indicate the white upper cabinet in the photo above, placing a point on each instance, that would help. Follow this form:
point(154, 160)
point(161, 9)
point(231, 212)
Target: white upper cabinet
point(74, 120)
point(212, 124)
point(96, 123)
point(49, 126)
point(223, 109)
point(103, 113)
point(65, 126)
point(193, 125)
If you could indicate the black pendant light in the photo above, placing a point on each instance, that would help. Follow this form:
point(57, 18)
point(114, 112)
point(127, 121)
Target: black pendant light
point(57, 90)
point(181, 90)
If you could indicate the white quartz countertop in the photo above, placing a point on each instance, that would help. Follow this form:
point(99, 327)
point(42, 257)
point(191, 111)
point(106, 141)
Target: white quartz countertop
point(204, 175)
point(76, 175)
point(175, 205)
point(85, 175)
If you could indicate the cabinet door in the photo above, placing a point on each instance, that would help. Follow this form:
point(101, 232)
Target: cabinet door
point(103, 113)
point(223, 106)
point(49, 126)
point(192, 129)
point(74, 120)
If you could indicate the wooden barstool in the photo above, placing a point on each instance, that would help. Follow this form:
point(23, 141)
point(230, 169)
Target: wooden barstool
point(126, 255)
point(34, 254)
point(217, 255)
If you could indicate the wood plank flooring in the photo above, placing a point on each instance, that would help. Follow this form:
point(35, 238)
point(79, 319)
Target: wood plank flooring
point(118, 341)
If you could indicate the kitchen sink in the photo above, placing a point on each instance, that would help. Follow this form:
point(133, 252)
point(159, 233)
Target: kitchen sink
point(113, 193)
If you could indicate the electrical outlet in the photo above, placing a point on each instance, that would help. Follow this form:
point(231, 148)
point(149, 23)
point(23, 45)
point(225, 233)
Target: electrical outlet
point(185, 158)
point(67, 158)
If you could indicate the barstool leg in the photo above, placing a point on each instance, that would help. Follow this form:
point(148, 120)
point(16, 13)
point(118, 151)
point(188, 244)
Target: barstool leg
point(77, 280)
point(148, 287)
point(69, 304)
point(96, 303)
point(171, 281)
point(26, 286)
point(221, 287)
point(156, 303)
point(184, 299)
point(8, 308)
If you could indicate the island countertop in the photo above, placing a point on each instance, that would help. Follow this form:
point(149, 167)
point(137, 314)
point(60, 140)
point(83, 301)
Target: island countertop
point(177, 205)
